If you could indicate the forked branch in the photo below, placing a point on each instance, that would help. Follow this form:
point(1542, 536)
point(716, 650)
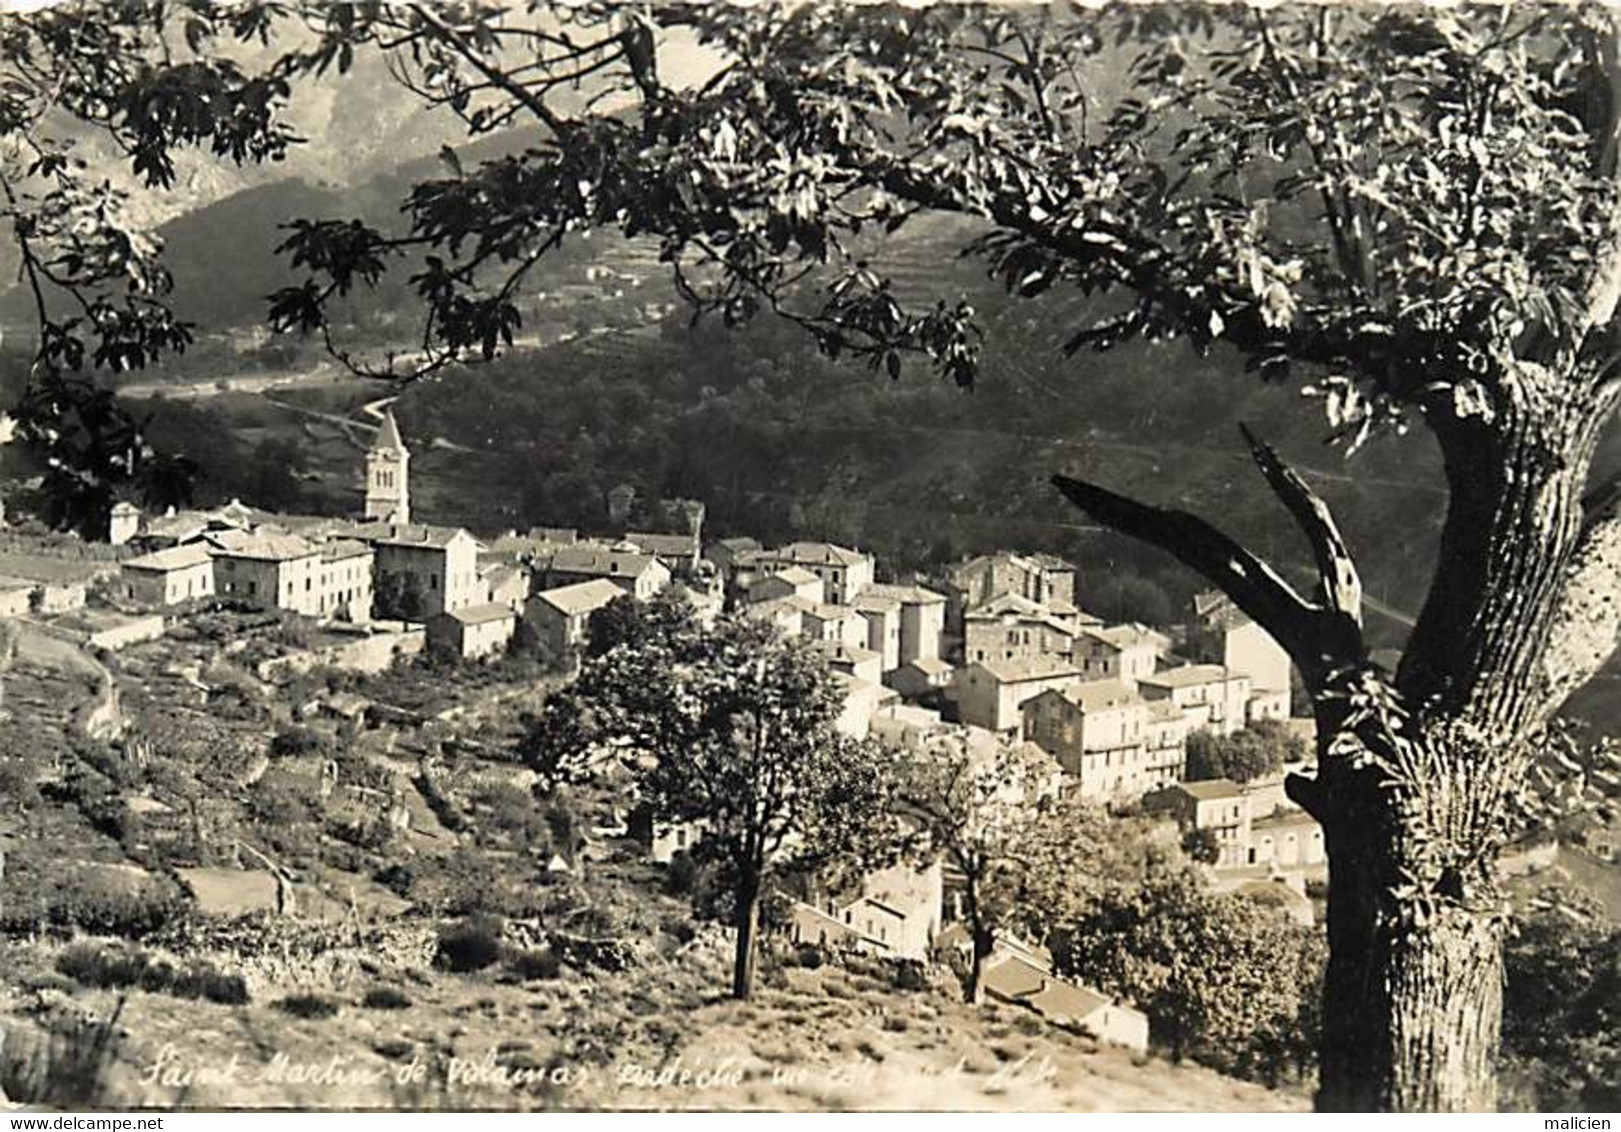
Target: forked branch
point(1340, 584)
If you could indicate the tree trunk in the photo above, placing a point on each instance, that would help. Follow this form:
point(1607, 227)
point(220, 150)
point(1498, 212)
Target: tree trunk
point(746, 918)
point(974, 992)
point(1412, 996)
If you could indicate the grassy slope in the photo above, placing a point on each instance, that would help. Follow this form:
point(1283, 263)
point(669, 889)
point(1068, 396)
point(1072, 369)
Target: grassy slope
point(824, 1039)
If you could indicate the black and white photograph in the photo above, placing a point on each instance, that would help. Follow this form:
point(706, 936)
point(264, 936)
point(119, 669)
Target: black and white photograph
point(809, 556)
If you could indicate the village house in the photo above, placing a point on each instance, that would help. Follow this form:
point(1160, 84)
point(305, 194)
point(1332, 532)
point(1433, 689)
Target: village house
point(269, 569)
point(882, 614)
point(844, 572)
point(922, 620)
point(1223, 634)
point(1286, 839)
point(1216, 804)
point(168, 577)
point(343, 580)
point(679, 552)
point(560, 617)
point(1211, 696)
point(862, 700)
point(1120, 652)
point(505, 584)
point(927, 678)
point(897, 914)
point(1011, 627)
point(786, 613)
point(421, 570)
point(835, 623)
point(123, 522)
point(726, 553)
point(794, 581)
point(472, 632)
point(1023, 980)
point(1044, 579)
point(991, 693)
point(1099, 731)
point(58, 585)
point(640, 575)
point(853, 660)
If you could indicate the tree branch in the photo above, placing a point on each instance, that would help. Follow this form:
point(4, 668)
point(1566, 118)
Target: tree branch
point(1341, 586)
point(1320, 641)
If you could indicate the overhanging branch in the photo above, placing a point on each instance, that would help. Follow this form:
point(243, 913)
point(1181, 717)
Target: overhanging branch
point(1319, 640)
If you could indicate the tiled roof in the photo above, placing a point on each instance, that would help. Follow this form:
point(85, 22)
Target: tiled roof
point(818, 554)
point(869, 602)
point(906, 594)
point(929, 665)
point(1209, 789)
point(795, 576)
point(1190, 675)
point(581, 597)
point(482, 614)
point(268, 546)
point(409, 534)
point(1096, 695)
point(606, 563)
point(173, 558)
point(677, 546)
point(342, 548)
point(1018, 980)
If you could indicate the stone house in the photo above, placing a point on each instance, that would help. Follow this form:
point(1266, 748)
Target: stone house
point(1099, 731)
point(1120, 652)
point(991, 693)
point(421, 570)
point(882, 614)
point(472, 632)
point(168, 577)
point(922, 618)
point(1216, 804)
point(844, 572)
point(1221, 633)
point(1209, 695)
point(923, 679)
point(1043, 579)
point(266, 568)
point(343, 580)
point(638, 574)
point(1024, 981)
point(560, 617)
point(792, 581)
point(1011, 627)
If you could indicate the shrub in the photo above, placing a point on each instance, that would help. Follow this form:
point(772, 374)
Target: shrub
point(536, 963)
point(296, 741)
point(95, 965)
point(308, 1006)
point(385, 998)
point(681, 875)
point(93, 902)
point(471, 944)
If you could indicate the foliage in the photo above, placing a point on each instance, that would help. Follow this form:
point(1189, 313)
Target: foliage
point(1202, 845)
point(995, 819)
point(1221, 980)
point(732, 729)
point(118, 966)
point(308, 1006)
point(296, 742)
point(1262, 748)
point(1561, 1022)
point(471, 944)
point(385, 998)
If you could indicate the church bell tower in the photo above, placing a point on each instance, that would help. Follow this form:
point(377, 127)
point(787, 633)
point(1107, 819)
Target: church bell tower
point(388, 462)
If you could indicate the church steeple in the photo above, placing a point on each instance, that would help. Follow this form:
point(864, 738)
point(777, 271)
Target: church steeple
point(388, 462)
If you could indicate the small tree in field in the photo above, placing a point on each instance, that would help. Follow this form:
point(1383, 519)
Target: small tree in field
point(732, 729)
point(994, 817)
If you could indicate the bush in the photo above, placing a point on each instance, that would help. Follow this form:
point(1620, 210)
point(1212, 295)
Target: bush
point(308, 1006)
point(95, 903)
point(470, 945)
point(95, 965)
point(681, 875)
point(385, 998)
point(296, 741)
point(536, 963)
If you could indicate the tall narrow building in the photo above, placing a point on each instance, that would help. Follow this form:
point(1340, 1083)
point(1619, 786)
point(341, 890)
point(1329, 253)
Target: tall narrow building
point(387, 465)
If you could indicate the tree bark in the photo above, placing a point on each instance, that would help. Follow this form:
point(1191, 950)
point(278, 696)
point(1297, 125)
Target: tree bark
point(1412, 995)
point(746, 919)
point(974, 992)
